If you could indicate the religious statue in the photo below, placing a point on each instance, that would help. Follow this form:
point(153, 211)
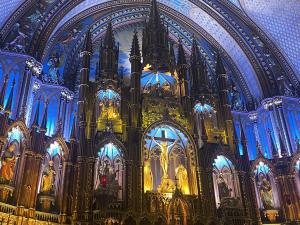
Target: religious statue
point(148, 177)
point(182, 179)
point(224, 190)
point(8, 162)
point(108, 110)
point(266, 193)
point(48, 179)
point(164, 155)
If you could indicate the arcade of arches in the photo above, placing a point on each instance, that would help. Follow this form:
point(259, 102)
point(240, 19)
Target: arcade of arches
point(137, 112)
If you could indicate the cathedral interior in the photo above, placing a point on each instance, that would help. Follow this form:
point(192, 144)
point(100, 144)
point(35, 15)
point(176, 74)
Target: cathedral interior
point(149, 112)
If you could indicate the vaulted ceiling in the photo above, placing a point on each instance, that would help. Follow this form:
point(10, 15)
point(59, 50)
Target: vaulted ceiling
point(259, 40)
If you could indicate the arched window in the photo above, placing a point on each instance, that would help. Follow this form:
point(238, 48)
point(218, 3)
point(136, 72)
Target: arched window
point(169, 159)
point(10, 156)
point(208, 113)
point(266, 189)
point(225, 179)
point(110, 172)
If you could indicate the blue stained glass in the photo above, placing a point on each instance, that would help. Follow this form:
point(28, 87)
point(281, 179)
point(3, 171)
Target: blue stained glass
point(262, 168)
point(297, 166)
point(170, 133)
point(222, 162)
point(15, 134)
point(203, 108)
point(294, 131)
point(1, 73)
point(54, 149)
point(238, 132)
point(14, 74)
point(150, 78)
point(108, 94)
point(52, 115)
point(251, 142)
point(109, 150)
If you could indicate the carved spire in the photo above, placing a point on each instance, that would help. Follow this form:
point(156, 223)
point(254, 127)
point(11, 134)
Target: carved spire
point(172, 62)
point(109, 55)
point(154, 14)
point(10, 98)
point(73, 131)
point(3, 91)
point(45, 118)
point(199, 77)
point(220, 69)
point(155, 41)
point(273, 147)
point(87, 45)
point(135, 47)
point(109, 39)
point(181, 54)
point(35, 123)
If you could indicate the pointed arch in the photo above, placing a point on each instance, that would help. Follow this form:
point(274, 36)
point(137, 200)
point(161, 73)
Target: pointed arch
point(178, 210)
point(226, 181)
point(62, 143)
point(178, 160)
point(24, 130)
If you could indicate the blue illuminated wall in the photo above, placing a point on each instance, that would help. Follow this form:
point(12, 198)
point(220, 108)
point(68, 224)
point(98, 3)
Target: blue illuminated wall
point(263, 126)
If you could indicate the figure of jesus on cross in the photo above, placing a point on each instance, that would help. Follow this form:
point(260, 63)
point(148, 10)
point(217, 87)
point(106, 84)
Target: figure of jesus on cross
point(164, 154)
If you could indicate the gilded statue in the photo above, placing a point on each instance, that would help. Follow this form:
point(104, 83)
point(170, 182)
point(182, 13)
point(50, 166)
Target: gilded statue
point(266, 193)
point(48, 179)
point(8, 162)
point(148, 177)
point(182, 179)
point(164, 155)
point(109, 111)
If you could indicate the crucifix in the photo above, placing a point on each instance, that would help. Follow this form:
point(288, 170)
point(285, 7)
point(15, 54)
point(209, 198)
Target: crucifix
point(164, 147)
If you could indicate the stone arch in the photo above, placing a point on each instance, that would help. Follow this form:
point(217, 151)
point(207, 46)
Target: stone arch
point(110, 172)
point(266, 189)
point(61, 141)
point(225, 180)
point(24, 130)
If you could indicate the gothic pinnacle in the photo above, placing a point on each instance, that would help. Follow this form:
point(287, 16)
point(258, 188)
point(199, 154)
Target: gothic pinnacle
point(109, 39)
point(181, 54)
point(135, 47)
point(220, 69)
point(73, 131)
point(35, 123)
point(10, 98)
point(3, 91)
point(88, 46)
point(45, 118)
